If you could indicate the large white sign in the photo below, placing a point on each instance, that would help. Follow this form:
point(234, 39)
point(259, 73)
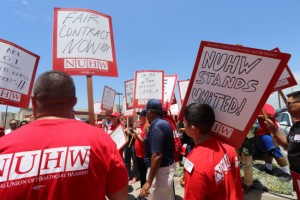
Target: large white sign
point(126, 113)
point(148, 85)
point(129, 93)
point(119, 137)
point(182, 87)
point(108, 99)
point(236, 82)
point(83, 42)
point(17, 72)
point(169, 87)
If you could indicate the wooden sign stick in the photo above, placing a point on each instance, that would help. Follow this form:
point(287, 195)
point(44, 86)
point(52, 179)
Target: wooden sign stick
point(89, 82)
point(283, 96)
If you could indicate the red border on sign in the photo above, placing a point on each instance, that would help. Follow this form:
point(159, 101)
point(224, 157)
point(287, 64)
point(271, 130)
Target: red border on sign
point(135, 103)
point(291, 79)
point(25, 99)
point(103, 108)
point(180, 92)
point(131, 110)
point(238, 136)
point(167, 107)
point(127, 104)
point(58, 63)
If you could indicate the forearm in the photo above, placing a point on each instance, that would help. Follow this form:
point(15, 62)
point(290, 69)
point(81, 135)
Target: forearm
point(280, 138)
point(155, 164)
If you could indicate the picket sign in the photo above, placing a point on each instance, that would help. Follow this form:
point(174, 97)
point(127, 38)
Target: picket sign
point(83, 44)
point(17, 71)
point(233, 81)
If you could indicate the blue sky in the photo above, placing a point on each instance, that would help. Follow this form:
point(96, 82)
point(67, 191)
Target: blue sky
point(158, 34)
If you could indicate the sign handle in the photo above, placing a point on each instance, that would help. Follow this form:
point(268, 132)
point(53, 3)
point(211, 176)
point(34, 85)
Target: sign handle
point(283, 96)
point(265, 118)
point(89, 82)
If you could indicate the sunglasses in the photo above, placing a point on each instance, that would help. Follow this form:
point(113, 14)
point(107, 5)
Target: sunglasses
point(292, 102)
point(13, 124)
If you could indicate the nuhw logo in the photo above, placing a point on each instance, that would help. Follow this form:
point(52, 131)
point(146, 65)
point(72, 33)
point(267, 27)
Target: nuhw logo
point(40, 162)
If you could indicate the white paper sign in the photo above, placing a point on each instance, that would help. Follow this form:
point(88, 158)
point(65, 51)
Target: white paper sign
point(17, 72)
point(83, 34)
point(126, 113)
point(148, 85)
point(129, 93)
point(118, 136)
point(108, 99)
point(97, 108)
point(183, 85)
point(236, 82)
point(16, 68)
point(169, 87)
point(174, 109)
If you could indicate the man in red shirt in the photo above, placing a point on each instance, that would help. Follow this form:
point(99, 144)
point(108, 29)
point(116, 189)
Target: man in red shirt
point(57, 157)
point(211, 169)
point(139, 145)
point(115, 122)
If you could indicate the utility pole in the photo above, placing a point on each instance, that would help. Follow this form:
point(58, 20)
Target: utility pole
point(119, 94)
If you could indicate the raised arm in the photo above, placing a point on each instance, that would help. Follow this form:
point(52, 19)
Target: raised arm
point(280, 138)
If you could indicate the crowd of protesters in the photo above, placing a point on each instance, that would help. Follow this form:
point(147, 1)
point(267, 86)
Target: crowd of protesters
point(155, 142)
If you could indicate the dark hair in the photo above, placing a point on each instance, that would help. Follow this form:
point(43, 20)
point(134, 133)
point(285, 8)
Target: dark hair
point(54, 88)
point(200, 115)
point(54, 84)
point(13, 120)
point(24, 121)
point(295, 94)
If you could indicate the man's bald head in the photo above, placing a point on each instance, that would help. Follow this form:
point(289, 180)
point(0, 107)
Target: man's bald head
point(54, 90)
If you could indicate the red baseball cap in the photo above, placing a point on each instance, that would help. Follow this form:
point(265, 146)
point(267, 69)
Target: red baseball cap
point(269, 110)
point(114, 114)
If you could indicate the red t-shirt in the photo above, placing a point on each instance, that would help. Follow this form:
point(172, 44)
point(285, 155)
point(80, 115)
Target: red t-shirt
point(212, 172)
point(139, 146)
point(59, 159)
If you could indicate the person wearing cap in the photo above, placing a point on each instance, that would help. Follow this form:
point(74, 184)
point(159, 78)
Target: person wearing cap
point(211, 170)
point(2, 131)
point(267, 146)
point(159, 157)
point(114, 118)
point(115, 122)
point(139, 146)
point(56, 156)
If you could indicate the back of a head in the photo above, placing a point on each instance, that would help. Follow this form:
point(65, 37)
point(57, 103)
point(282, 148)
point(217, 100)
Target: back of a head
point(200, 115)
point(54, 86)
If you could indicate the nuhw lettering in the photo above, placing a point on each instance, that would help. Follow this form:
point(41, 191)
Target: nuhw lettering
point(221, 129)
point(41, 162)
point(222, 168)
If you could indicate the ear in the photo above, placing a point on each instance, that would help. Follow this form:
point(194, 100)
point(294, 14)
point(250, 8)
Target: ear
point(34, 105)
point(195, 130)
point(74, 101)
